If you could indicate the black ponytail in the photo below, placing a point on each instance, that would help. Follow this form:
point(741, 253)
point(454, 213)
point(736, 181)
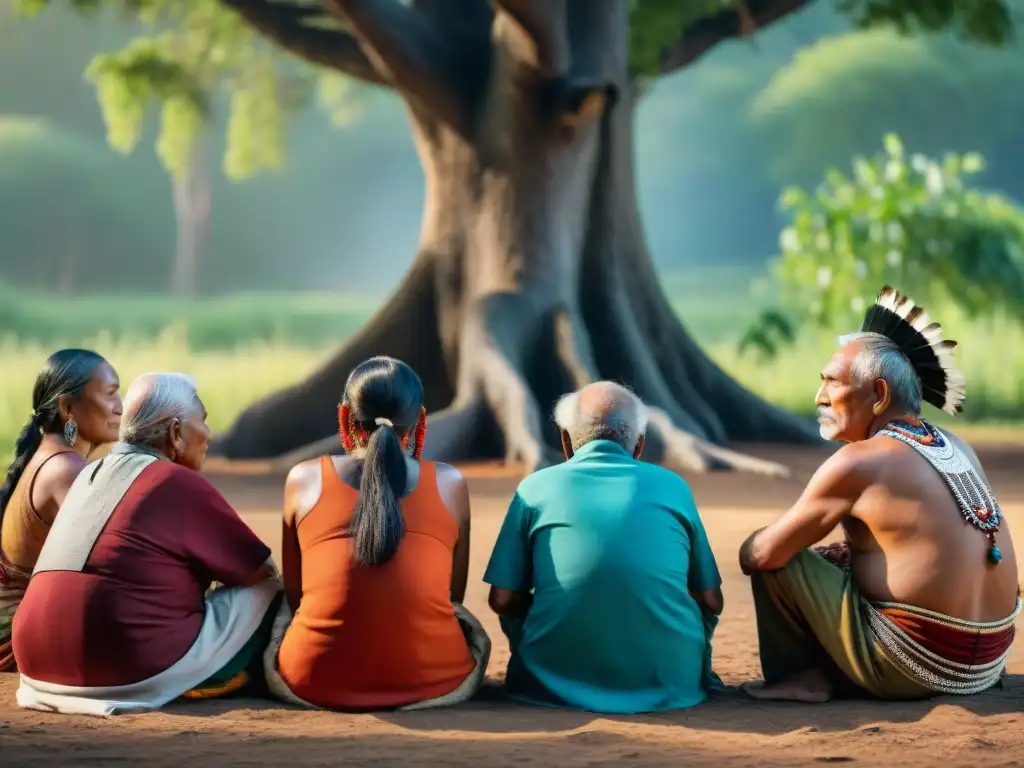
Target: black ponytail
point(377, 524)
point(25, 448)
point(65, 373)
point(384, 396)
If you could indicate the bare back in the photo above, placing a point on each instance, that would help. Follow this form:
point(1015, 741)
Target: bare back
point(34, 504)
point(911, 544)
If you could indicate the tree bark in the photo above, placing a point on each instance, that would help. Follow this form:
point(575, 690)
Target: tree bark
point(533, 277)
point(191, 194)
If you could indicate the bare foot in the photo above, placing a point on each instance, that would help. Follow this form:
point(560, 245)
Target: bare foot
point(811, 687)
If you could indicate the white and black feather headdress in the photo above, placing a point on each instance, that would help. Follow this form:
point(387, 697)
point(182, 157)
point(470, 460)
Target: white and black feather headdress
point(898, 318)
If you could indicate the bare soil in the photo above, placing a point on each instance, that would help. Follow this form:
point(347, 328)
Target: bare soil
point(491, 731)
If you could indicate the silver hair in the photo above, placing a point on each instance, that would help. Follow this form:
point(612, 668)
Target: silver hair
point(624, 424)
point(880, 358)
point(152, 401)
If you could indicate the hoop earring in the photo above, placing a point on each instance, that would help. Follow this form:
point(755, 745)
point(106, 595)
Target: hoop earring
point(70, 433)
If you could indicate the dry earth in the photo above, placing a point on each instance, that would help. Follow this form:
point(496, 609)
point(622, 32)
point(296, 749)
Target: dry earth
point(982, 731)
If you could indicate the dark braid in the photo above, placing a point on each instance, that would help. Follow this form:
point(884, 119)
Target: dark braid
point(65, 373)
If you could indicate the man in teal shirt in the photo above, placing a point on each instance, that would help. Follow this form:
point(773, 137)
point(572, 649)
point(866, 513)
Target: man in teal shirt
point(602, 574)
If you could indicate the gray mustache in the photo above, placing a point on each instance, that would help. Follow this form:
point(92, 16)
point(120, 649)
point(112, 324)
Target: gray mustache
point(826, 414)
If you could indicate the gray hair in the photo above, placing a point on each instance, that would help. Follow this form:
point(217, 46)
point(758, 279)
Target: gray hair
point(152, 401)
point(621, 419)
point(880, 358)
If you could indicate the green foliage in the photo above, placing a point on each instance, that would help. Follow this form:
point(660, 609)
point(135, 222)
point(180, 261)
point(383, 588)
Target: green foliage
point(198, 50)
point(934, 91)
point(911, 222)
point(986, 21)
point(656, 24)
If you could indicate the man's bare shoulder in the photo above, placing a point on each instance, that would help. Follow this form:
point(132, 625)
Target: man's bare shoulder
point(847, 472)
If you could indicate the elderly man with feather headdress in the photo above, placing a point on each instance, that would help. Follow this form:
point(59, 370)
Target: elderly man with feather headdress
point(921, 596)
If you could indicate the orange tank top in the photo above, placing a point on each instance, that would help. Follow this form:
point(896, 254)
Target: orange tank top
point(375, 637)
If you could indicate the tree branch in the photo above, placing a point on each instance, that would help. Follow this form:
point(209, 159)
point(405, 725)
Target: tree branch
point(538, 35)
point(288, 26)
point(705, 34)
point(405, 45)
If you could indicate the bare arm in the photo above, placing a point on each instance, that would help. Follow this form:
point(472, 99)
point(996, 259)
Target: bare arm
point(301, 492)
point(710, 600)
point(510, 570)
point(455, 494)
point(509, 602)
point(828, 498)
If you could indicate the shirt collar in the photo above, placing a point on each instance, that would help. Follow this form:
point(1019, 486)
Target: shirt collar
point(605, 449)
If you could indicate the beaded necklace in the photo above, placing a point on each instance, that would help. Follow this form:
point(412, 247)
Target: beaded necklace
point(973, 496)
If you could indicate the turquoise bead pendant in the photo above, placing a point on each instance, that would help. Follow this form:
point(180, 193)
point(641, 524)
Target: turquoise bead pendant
point(994, 555)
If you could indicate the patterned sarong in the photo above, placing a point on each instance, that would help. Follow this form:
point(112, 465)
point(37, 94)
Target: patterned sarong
point(945, 654)
point(13, 583)
point(476, 636)
point(811, 614)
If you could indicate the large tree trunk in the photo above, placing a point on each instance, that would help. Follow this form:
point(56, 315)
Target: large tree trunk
point(532, 279)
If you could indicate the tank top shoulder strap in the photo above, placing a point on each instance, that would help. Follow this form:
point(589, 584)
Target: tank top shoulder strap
point(425, 502)
point(332, 486)
point(31, 487)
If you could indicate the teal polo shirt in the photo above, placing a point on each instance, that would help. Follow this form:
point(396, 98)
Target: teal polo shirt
point(611, 547)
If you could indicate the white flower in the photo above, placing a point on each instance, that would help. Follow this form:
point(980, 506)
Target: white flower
point(893, 258)
point(894, 170)
point(933, 180)
point(919, 162)
point(789, 240)
point(824, 277)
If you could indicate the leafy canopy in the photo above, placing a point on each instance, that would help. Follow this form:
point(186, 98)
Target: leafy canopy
point(197, 54)
point(911, 222)
point(934, 91)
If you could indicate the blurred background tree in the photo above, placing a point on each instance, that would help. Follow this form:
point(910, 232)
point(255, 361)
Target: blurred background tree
point(910, 221)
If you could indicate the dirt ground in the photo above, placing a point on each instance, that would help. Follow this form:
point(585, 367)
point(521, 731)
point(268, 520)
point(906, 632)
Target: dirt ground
point(981, 731)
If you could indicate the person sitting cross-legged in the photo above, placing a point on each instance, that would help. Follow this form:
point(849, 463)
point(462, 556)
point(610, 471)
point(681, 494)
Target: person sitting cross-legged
point(921, 596)
point(119, 615)
point(602, 574)
point(375, 555)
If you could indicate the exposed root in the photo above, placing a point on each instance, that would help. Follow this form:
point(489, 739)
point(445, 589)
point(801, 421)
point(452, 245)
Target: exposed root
point(453, 434)
point(329, 446)
point(289, 422)
point(684, 452)
point(680, 450)
point(515, 409)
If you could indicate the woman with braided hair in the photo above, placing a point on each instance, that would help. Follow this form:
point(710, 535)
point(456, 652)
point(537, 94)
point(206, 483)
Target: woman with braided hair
point(375, 554)
point(76, 406)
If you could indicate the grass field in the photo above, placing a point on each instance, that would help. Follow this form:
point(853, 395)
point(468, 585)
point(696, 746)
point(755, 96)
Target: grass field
point(242, 348)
